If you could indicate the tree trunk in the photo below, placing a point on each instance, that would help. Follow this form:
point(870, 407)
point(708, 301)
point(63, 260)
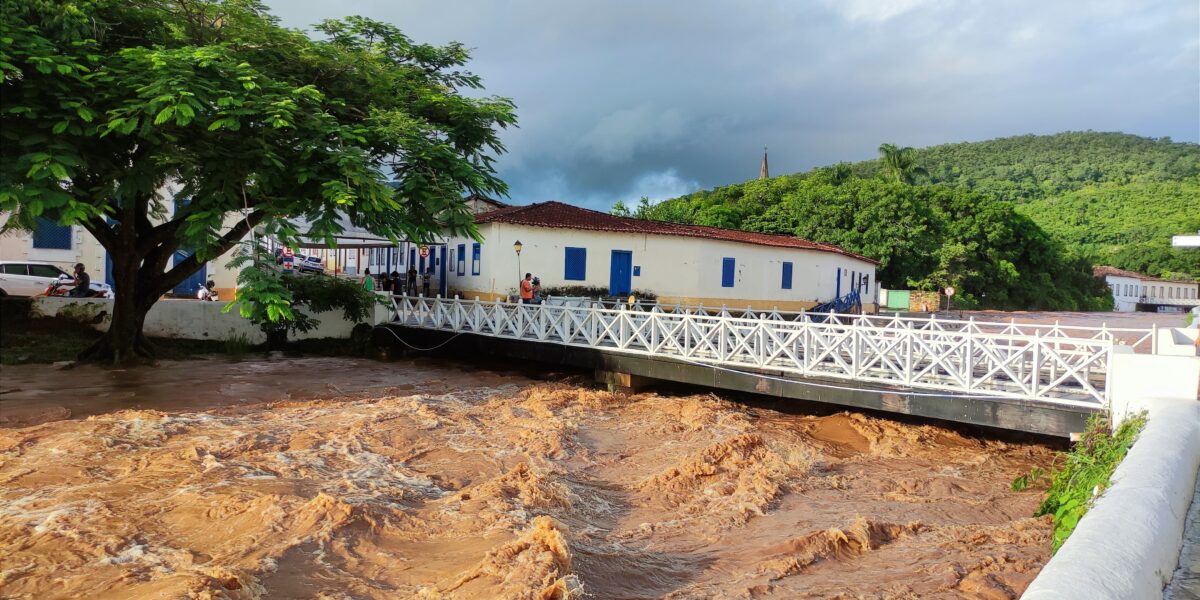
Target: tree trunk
point(124, 344)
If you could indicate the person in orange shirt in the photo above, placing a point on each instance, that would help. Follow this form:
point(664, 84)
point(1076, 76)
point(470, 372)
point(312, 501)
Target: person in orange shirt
point(527, 289)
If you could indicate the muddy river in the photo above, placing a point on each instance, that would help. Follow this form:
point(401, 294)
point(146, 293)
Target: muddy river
point(339, 479)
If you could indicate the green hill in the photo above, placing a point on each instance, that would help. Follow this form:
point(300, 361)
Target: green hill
point(1013, 223)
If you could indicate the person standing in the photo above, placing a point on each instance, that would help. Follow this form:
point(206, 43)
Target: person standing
point(425, 280)
point(368, 281)
point(411, 287)
point(527, 289)
point(537, 290)
point(397, 287)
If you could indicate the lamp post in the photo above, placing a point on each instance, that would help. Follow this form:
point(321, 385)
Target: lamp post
point(517, 246)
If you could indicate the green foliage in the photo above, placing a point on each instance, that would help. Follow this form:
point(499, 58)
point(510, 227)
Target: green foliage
point(900, 164)
point(106, 101)
point(592, 291)
point(1012, 223)
point(1082, 474)
point(287, 302)
point(1127, 225)
point(236, 345)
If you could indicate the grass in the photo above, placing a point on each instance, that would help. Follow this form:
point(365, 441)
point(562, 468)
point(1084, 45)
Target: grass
point(1078, 477)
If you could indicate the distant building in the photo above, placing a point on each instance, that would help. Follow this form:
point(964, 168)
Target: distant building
point(482, 204)
point(1134, 291)
point(566, 245)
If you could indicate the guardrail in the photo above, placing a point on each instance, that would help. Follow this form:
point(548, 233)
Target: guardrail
point(1136, 337)
point(985, 360)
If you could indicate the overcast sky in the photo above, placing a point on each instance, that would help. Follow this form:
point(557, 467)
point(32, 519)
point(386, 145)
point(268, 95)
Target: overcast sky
point(622, 99)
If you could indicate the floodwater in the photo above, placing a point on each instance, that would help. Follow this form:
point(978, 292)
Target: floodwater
point(335, 478)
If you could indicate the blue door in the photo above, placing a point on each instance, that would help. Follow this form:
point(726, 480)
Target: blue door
point(620, 277)
point(442, 271)
point(108, 271)
point(188, 287)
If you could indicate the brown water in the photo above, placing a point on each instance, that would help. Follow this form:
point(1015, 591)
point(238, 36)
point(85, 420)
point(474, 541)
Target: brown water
point(329, 478)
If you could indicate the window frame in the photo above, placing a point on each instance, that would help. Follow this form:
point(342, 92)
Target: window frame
point(728, 271)
point(39, 234)
point(476, 258)
point(787, 273)
point(580, 255)
point(461, 266)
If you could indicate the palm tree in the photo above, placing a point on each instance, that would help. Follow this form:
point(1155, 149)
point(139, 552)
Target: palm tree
point(900, 164)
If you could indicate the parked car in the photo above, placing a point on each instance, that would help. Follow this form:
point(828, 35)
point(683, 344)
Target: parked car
point(308, 264)
point(301, 263)
point(27, 278)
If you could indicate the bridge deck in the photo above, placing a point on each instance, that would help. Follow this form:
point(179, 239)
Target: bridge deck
point(1000, 371)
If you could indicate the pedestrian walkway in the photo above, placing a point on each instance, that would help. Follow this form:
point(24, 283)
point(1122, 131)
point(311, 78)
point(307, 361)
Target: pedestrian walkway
point(1185, 584)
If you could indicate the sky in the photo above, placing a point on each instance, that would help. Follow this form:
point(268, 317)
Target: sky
point(621, 99)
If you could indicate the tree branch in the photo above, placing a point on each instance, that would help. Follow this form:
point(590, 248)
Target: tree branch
point(186, 267)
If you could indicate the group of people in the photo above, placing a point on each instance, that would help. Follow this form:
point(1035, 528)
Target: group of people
point(392, 284)
point(531, 289)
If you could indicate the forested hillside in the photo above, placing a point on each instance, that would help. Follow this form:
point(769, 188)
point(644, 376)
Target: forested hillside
point(1013, 222)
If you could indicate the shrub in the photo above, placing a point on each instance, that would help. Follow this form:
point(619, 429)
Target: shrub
point(1081, 475)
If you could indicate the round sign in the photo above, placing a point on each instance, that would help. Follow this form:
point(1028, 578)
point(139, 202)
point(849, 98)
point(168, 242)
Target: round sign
point(289, 252)
point(424, 251)
point(949, 290)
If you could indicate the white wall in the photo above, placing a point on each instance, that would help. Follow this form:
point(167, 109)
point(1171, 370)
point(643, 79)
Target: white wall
point(196, 320)
point(1125, 291)
point(677, 269)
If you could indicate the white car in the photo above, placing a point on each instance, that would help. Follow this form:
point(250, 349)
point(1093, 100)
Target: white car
point(27, 278)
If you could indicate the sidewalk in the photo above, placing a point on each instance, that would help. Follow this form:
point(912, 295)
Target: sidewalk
point(1185, 584)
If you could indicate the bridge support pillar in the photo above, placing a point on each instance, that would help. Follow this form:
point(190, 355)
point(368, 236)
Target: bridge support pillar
point(622, 383)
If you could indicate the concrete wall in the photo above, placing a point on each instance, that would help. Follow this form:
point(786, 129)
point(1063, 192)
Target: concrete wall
point(196, 320)
point(677, 269)
point(1127, 546)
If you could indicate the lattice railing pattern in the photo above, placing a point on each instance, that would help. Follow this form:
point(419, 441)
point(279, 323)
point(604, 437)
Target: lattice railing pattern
point(972, 358)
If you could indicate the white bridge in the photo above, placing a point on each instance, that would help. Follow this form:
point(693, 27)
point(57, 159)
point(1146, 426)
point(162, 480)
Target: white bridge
point(1060, 365)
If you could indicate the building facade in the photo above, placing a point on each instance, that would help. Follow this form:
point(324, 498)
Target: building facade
point(66, 245)
point(1134, 291)
point(569, 246)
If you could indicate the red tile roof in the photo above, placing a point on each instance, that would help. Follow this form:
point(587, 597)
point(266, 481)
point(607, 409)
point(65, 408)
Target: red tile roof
point(1103, 270)
point(564, 216)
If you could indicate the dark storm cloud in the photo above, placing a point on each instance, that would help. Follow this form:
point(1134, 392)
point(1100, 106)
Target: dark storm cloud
point(621, 99)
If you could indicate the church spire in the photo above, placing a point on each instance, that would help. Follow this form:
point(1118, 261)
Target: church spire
point(764, 173)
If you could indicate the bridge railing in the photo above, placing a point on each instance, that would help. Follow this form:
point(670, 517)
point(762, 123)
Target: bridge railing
point(988, 360)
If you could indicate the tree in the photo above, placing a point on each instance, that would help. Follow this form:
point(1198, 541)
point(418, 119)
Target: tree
point(619, 209)
point(107, 102)
point(900, 164)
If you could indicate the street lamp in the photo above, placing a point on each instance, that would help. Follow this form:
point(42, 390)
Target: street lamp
point(517, 246)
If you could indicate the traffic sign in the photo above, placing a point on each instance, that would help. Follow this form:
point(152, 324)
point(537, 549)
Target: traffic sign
point(424, 251)
point(949, 290)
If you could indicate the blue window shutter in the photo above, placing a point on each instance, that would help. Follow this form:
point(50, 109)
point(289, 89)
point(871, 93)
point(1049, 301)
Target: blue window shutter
point(475, 258)
point(727, 268)
point(48, 234)
point(462, 259)
point(575, 264)
point(787, 275)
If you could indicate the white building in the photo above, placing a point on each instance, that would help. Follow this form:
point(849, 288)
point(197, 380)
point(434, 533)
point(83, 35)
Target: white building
point(66, 245)
point(566, 245)
point(1134, 291)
